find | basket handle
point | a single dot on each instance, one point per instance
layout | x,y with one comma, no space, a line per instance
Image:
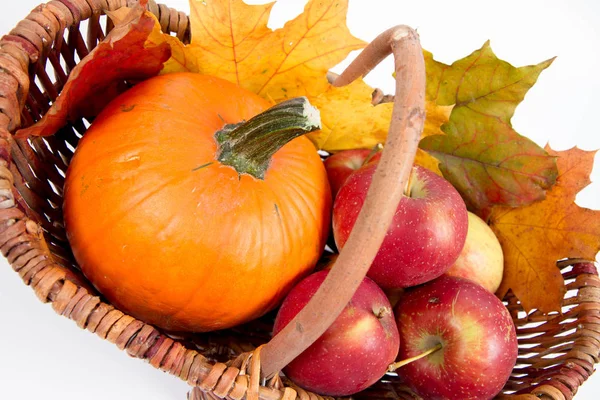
382,199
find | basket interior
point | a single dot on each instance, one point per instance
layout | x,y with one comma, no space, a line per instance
559,350
40,164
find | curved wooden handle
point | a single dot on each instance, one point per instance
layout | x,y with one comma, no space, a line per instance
382,199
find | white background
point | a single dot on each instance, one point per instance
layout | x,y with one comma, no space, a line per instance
46,356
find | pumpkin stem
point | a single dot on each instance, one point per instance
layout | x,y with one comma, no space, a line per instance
248,146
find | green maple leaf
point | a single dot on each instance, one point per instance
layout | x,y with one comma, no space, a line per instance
480,153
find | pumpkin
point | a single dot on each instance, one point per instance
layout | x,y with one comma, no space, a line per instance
186,222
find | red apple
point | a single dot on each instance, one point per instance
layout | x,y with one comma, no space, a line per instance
340,166
356,349
476,334
481,259
427,232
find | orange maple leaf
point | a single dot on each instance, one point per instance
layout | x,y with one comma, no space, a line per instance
535,237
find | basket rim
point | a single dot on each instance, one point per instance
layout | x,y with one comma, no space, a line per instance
22,239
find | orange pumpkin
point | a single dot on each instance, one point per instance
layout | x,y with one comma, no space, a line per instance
177,238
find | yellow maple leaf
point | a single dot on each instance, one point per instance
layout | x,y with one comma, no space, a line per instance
534,237
341,129
231,40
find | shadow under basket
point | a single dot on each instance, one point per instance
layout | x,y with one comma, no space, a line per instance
557,352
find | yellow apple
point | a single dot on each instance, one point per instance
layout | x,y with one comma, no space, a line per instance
481,259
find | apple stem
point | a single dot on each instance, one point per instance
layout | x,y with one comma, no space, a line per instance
408,188
402,363
382,312
376,149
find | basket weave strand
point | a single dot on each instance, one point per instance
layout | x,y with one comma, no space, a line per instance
557,352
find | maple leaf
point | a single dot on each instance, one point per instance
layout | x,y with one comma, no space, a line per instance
536,236
231,40
125,54
480,153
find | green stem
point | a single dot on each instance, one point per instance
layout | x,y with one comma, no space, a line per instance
249,146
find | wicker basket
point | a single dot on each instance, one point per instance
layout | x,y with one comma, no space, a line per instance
557,351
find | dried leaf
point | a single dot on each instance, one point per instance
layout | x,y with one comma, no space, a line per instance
182,60
125,54
534,237
231,40
480,153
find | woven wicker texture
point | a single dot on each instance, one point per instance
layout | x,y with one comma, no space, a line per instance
557,352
